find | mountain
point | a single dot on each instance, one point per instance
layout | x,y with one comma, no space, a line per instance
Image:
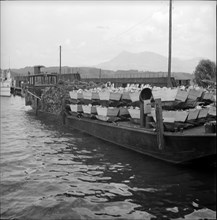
148,61
125,63
84,71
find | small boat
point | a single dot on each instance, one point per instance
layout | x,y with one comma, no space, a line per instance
5,83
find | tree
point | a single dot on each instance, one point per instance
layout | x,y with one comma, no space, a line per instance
205,72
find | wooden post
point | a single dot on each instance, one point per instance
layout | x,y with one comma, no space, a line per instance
159,124
60,70
169,83
142,124
60,62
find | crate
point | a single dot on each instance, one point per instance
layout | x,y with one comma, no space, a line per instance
194,94
95,95
116,96
181,116
106,95
104,111
134,96
123,111
193,114
181,95
169,116
75,95
203,113
212,110
87,95
76,108
208,96
165,94
89,109
126,96
134,113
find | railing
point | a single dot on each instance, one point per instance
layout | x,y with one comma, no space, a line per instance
127,75
33,95
34,98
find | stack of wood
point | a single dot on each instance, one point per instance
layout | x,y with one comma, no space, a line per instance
52,97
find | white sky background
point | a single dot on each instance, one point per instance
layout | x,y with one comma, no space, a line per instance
93,32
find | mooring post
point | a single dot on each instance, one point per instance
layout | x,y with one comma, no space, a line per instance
159,124
142,121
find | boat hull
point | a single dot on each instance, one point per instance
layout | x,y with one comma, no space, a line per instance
178,148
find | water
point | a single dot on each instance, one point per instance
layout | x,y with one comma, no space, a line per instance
50,172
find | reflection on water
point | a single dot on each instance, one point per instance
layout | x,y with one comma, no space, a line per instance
50,172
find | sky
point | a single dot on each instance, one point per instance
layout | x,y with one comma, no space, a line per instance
91,32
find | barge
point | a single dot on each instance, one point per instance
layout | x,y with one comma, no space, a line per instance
179,147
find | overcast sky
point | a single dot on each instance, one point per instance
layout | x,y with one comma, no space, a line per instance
91,32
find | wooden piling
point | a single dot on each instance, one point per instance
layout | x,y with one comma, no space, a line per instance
159,124
142,117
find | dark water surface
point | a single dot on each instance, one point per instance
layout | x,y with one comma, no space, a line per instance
50,172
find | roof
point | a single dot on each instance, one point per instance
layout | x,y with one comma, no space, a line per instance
183,76
39,66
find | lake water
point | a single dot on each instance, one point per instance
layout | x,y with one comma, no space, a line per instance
50,172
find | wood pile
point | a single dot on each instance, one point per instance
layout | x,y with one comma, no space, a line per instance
52,97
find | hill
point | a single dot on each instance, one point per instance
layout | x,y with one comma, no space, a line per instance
148,61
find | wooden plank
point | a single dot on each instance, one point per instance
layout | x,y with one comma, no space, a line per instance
159,124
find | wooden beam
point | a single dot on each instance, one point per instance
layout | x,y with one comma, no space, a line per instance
142,124
159,124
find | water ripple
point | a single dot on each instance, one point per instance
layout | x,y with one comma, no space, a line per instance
50,172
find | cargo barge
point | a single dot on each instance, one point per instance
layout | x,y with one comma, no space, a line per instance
179,147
